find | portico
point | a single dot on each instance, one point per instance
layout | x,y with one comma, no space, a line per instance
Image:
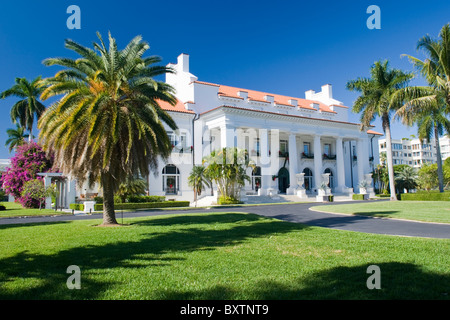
301,146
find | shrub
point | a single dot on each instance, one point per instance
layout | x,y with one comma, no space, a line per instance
29,160
357,196
223,200
426,196
77,206
146,199
2,207
98,199
144,205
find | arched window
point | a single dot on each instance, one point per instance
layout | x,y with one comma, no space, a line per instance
308,178
331,182
171,179
256,178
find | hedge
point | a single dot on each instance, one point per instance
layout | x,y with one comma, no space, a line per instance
426,196
357,196
77,206
144,205
133,199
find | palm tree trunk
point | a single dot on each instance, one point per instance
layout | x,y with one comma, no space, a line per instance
390,165
109,215
439,159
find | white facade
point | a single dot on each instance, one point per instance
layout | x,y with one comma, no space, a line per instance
285,137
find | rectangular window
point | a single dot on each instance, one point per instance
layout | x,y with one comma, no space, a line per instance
327,149
283,147
306,148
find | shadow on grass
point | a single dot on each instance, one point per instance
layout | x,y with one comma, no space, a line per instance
380,214
398,281
43,276
47,272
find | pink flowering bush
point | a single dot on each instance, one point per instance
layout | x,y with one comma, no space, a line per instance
29,160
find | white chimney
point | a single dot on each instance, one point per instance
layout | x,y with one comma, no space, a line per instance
327,91
309,94
183,62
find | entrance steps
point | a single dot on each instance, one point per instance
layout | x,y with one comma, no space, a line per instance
278,198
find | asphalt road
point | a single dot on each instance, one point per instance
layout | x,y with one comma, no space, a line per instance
298,213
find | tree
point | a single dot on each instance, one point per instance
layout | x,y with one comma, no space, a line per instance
35,189
405,177
198,181
133,186
428,177
29,160
227,168
108,124
375,101
428,106
25,110
16,137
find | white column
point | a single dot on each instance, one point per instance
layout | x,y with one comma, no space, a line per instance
264,160
274,157
226,136
198,147
360,159
340,166
292,164
48,200
207,144
317,161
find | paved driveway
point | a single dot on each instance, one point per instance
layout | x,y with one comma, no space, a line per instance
298,213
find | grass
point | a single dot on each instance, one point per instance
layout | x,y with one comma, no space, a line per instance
16,210
425,211
216,256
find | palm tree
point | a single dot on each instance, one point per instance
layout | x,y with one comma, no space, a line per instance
375,100
426,107
406,178
227,168
108,125
16,137
436,67
198,181
25,110
429,106
133,186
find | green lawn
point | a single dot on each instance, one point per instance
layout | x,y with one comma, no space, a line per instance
16,210
427,211
216,256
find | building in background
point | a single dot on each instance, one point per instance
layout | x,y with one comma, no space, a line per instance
413,152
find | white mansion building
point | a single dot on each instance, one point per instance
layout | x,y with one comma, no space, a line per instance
291,140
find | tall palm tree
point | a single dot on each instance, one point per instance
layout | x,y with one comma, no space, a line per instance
108,125
133,186
198,181
436,67
375,101
429,106
16,137
28,107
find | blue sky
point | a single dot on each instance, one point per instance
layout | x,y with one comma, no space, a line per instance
284,47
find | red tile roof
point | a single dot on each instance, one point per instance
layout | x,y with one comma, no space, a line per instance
179,107
253,95
374,132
